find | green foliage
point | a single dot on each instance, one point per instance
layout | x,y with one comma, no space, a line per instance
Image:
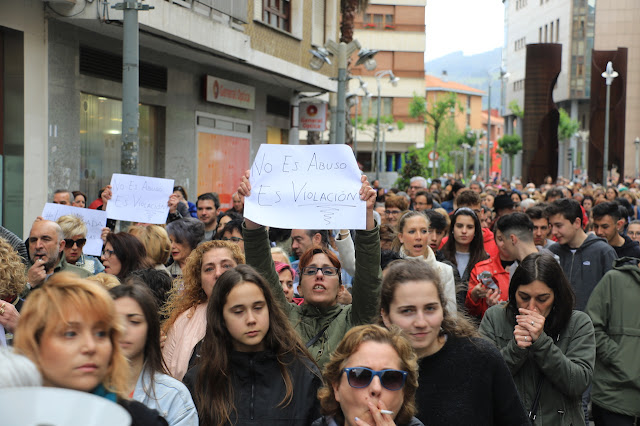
413,166
515,109
566,127
510,144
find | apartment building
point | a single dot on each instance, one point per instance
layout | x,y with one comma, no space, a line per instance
616,26
567,22
397,29
217,79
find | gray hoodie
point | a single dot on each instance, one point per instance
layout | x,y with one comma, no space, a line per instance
585,266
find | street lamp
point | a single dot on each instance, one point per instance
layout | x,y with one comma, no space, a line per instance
342,51
476,165
367,94
504,75
637,144
394,82
465,147
608,75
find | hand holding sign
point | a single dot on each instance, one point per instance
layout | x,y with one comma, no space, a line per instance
139,198
296,187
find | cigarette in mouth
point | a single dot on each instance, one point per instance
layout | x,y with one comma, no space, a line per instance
386,412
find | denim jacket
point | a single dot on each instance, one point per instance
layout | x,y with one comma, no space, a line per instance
169,396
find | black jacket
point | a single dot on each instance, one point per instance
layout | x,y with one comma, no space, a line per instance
630,248
141,415
258,389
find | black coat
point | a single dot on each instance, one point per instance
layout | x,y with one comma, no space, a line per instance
258,389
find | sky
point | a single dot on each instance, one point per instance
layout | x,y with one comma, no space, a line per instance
473,26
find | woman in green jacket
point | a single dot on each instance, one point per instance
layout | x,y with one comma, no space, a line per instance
320,321
549,347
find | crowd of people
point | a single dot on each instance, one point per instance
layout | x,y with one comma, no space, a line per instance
459,303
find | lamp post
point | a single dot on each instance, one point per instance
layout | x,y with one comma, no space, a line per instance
394,82
342,51
637,144
465,147
487,160
367,94
608,75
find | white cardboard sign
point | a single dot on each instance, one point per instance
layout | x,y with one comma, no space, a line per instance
139,198
95,220
306,187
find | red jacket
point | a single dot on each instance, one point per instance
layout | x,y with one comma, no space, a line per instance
489,243
500,276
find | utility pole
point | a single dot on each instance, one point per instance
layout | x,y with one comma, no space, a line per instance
130,85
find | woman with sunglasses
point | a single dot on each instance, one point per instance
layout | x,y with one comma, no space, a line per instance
256,369
371,380
463,379
70,329
321,321
75,237
148,381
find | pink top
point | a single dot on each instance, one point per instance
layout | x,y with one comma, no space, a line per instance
185,333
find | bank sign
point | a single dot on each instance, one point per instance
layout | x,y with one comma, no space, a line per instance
229,93
313,116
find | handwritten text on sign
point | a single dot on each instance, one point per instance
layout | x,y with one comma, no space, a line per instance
139,198
95,220
306,187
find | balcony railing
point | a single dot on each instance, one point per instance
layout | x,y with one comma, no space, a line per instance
236,9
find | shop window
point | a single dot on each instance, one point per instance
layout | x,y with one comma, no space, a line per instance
101,139
277,13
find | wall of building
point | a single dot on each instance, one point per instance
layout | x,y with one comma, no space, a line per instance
27,16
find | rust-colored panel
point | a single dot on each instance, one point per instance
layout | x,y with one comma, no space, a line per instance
221,162
410,15
617,111
540,124
408,61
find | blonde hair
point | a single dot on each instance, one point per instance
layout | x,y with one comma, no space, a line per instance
48,307
192,295
107,281
279,250
350,345
72,225
155,240
13,273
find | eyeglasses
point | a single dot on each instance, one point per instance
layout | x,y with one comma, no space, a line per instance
361,377
327,270
390,212
233,239
107,253
68,242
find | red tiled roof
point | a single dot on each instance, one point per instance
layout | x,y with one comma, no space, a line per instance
434,83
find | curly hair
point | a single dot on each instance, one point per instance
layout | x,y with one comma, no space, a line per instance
348,346
13,273
48,308
181,300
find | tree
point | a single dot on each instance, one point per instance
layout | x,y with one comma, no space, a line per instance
413,166
369,126
515,109
349,9
566,127
510,145
435,116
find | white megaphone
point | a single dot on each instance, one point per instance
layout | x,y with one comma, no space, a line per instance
40,406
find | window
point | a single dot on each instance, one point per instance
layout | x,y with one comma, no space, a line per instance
551,32
540,34
558,29
277,13
546,33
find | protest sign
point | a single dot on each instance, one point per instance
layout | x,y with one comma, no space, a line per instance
139,198
306,187
95,220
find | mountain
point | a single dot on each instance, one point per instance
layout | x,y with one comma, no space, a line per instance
470,70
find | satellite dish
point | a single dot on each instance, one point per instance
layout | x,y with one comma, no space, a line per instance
39,406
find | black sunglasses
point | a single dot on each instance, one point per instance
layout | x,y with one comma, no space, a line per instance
68,242
361,377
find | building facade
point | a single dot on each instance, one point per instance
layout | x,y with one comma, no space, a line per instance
217,79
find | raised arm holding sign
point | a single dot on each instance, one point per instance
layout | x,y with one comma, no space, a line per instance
306,187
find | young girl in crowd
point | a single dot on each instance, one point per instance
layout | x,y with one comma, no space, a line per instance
70,329
186,309
412,242
465,246
549,347
148,382
463,378
321,321
257,371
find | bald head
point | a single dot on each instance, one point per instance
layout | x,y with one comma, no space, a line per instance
46,242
